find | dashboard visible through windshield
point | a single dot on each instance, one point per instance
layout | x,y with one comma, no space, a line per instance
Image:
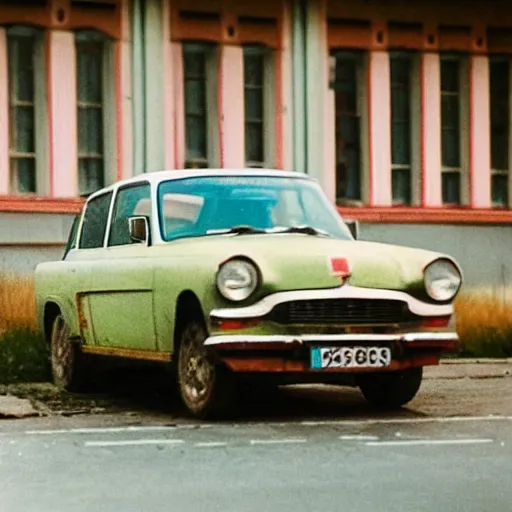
212,205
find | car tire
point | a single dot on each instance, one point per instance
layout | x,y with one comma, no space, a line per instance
67,360
206,387
391,390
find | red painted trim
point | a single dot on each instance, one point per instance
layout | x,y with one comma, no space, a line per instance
119,108
423,167
401,215
49,96
34,204
40,245
220,106
370,130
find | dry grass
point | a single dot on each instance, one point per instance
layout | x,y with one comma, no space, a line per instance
484,316
17,302
484,322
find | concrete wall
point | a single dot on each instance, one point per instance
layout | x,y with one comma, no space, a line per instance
28,239
484,252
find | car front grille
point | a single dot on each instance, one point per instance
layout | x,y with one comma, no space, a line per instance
342,312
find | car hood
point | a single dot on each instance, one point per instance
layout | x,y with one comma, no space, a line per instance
296,261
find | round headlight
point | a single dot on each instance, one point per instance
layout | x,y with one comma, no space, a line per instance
237,280
442,280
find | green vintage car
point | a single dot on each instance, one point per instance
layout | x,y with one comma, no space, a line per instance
233,275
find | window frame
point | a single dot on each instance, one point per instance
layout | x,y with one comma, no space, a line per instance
362,106
108,106
211,56
463,60
40,110
414,104
268,91
501,172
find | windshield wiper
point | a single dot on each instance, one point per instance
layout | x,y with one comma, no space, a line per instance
237,230
303,230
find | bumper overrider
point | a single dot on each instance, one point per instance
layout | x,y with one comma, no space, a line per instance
417,338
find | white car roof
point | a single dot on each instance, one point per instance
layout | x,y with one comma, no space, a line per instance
159,176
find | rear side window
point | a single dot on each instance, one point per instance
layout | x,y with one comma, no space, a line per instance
73,232
95,222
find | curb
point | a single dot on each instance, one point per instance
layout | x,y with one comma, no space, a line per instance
505,360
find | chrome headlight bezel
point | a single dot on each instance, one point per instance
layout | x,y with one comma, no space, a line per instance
237,279
442,279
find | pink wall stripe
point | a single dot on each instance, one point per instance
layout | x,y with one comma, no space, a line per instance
287,92
379,123
62,111
231,107
179,107
125,126
169,156
431,130
479,135
4,115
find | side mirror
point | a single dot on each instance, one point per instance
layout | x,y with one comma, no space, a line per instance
139,229
353,226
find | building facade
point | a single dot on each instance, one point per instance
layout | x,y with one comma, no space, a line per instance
401,110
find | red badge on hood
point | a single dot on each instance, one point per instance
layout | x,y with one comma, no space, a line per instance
340,268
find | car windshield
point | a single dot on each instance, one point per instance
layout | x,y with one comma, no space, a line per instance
212,205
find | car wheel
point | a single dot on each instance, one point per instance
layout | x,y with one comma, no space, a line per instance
206,388
66,358
391,390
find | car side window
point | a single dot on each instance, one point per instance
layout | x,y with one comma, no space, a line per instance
131,201
73,232
94,225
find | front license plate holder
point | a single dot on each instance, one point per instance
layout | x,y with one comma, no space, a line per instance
323,358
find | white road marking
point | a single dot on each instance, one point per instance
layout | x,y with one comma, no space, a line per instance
211,444
429,442
132,442
388,421
358,438
278,441
104,430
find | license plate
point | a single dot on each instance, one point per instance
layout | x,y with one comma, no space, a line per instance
350,357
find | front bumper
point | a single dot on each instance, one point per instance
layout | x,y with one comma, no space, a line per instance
248,339
291,354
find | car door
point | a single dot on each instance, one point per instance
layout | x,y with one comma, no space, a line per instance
121,298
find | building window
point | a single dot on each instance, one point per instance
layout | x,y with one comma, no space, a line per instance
258,94
22,44
200,89
401,65
451,150
94,118
499,76
348,90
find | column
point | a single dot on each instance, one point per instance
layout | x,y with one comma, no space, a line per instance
231,107
4,115
284,142
62,108
431,130
319,132
379,127
479,132
154,85
124,98
169,142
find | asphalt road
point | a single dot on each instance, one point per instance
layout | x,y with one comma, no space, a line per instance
310,449
413,464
